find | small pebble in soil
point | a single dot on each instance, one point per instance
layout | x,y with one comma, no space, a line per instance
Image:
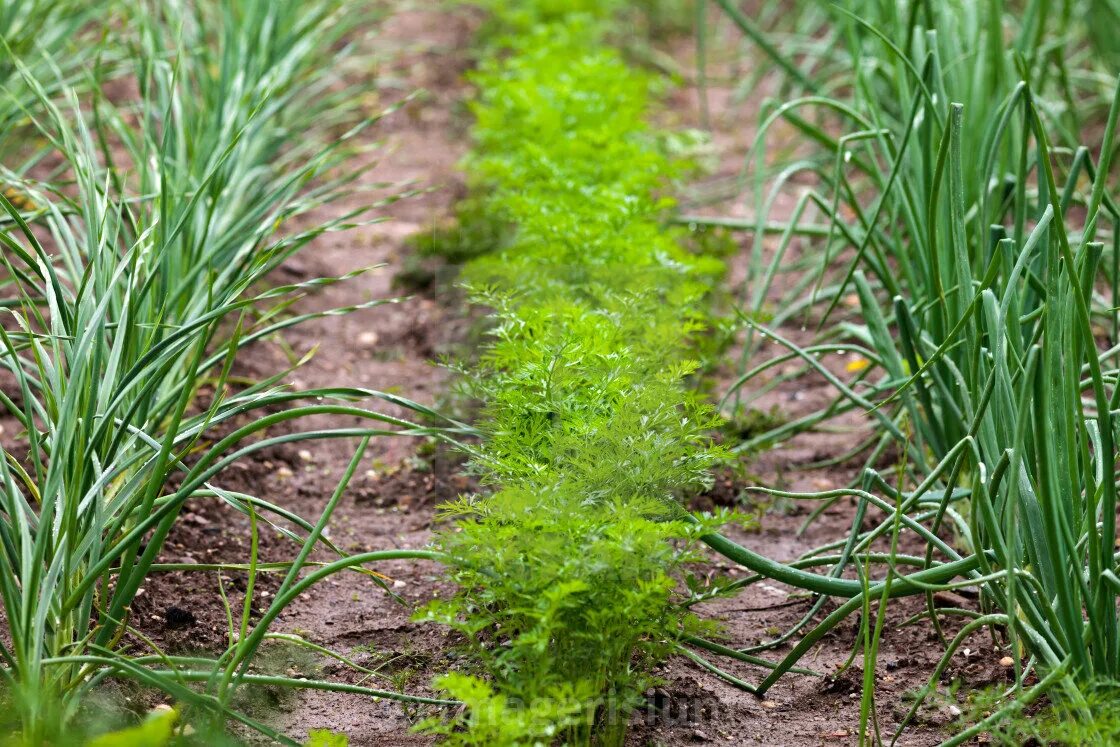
1007,661
177,617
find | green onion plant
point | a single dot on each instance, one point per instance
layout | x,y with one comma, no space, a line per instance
145,275
979,239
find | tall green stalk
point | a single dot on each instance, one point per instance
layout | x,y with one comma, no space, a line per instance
149,274
980,242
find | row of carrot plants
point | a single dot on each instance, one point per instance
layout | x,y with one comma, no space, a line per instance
568,568
139,238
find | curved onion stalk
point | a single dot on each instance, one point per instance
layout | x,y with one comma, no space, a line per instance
984,328
906,65
136,295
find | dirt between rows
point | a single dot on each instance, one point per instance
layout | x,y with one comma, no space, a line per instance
392,501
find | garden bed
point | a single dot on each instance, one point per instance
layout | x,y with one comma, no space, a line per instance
440,166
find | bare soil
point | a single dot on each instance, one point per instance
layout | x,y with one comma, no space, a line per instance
391,502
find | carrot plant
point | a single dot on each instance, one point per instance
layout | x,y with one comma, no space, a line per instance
148,276
567,568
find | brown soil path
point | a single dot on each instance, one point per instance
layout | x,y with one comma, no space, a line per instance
391,348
